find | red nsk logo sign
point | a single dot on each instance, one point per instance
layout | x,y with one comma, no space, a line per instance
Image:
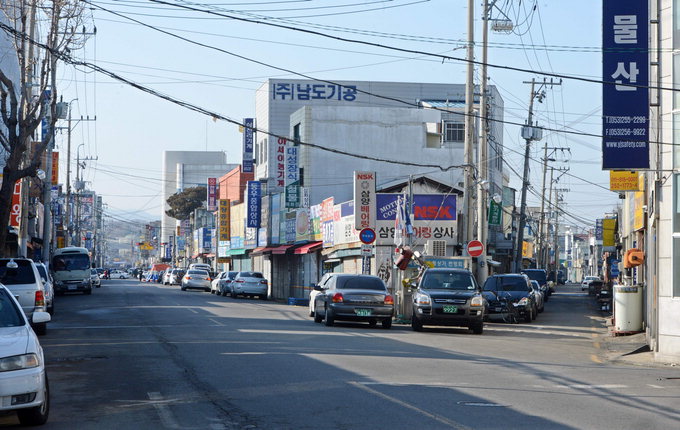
433,212
365,176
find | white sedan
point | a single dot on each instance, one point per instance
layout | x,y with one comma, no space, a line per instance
586,282
117,274
23,381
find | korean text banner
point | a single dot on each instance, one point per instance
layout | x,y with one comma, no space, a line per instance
625,96
248,144
254,204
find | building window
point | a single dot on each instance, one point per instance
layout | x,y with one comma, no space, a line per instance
454,132
296,133
676,81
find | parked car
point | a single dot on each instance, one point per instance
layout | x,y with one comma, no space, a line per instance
516,288
448,297
23,380
48,285
539,296
119,274
354,298
541,276
21,277
587,280
250,284
196,279
94,277
315,292
221,284
174,276
200,266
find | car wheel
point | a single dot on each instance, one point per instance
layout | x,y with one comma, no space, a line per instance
263,297
477,328
212,291
207,290
317,317
40,329
88,291
183,289
416,324
311,312
534,312
38,415
528,315
234,294
372,322
387,323
328,318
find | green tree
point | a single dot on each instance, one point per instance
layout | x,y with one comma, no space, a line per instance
182,204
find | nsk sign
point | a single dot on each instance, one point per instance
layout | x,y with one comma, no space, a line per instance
438,207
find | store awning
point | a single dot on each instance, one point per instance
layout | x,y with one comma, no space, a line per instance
260,250
281,249
307,247
236,252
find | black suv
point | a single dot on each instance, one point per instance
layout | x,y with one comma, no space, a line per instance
541,276
514,287
448,297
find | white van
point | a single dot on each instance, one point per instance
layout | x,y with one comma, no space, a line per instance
71,270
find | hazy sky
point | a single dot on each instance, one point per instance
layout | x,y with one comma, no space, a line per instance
133,128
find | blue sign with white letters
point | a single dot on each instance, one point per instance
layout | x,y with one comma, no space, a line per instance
625,93
254,204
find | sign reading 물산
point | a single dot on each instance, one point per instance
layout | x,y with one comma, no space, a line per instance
212,194
364,200
625,101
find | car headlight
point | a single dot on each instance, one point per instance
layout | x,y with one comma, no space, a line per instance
523,301
423,299
18,362
477,301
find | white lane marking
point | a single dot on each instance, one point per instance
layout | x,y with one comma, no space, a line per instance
166,416
586,386
325,333
656,386
403,404
216,322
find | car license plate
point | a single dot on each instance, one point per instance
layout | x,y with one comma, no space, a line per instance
498,309
72,287
363,312
448,309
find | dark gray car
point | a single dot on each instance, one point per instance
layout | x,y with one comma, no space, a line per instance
448,297
354,298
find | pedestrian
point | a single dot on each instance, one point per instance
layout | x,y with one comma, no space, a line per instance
141,275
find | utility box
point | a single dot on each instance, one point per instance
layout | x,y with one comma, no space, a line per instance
627,309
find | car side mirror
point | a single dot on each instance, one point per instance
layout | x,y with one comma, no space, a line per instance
317,288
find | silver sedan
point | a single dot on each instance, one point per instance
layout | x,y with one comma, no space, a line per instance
196,279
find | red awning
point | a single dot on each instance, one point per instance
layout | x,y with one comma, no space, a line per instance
307,247
281,249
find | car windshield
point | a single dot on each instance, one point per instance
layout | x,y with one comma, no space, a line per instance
232,275
23,274
10,315
447,281
71,262
512,283
41,270
360,283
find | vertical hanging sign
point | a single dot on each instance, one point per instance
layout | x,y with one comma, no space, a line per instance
364,200
15,210
254,204
625,100
292,177
248,144
212,194
224,220
55,167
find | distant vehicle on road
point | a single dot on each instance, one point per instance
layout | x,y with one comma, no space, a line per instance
71,270
48,284
23,380
354,298
587,280
250,284
94,276
197,280
119,274
516,288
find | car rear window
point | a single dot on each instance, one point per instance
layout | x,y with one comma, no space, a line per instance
448,281
359,283
198,272
232,275
10,315
537,275
70,262
250,275
21,275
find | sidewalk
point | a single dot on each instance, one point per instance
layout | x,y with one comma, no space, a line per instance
628,349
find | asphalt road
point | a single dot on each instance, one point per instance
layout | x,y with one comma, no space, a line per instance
145,356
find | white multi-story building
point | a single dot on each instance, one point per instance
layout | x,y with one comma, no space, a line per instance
185,169
418,123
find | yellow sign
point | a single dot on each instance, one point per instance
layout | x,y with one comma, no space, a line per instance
145,246
639,202
527,249
608,232
624,180
223,218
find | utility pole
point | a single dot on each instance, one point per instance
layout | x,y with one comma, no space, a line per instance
558,196
469,125
482,156
529,135
541,229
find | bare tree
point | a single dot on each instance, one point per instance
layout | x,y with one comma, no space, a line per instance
31,97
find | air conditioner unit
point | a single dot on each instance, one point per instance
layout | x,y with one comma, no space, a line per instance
436,248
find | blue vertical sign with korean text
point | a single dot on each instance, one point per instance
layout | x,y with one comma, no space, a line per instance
254,204
625,93
248,144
